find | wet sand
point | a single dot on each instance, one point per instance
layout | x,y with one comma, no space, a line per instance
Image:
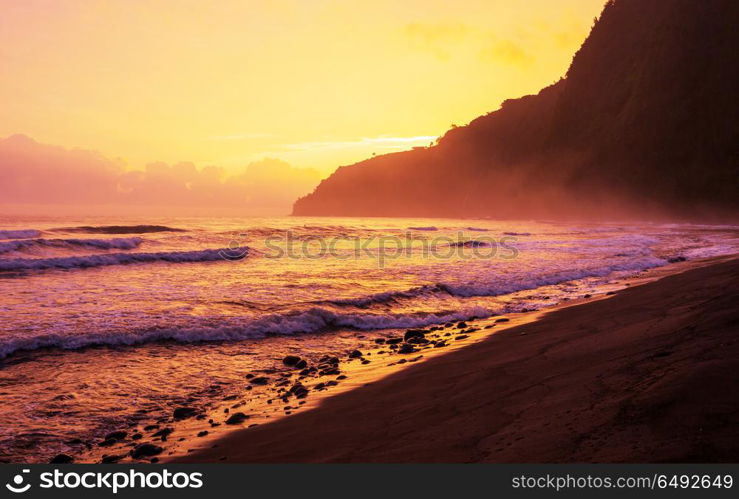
649,374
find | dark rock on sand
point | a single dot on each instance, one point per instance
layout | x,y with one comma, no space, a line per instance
146,450
406,348
203,433
394,341
502,319
299,390
414,333
236,418
329,372
116,435
356,354
111,459
61,459
261,380
184,412
163,433
291,360
136,436
461,325
108,442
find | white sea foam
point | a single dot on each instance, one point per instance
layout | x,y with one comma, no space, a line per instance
308,321
510,285
79,262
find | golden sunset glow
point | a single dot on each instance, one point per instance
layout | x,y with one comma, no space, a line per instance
315,83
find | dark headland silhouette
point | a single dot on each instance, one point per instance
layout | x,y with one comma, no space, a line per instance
645,123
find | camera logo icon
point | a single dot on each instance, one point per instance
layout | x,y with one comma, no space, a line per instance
17,485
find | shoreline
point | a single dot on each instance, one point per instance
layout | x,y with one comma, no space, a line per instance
441,410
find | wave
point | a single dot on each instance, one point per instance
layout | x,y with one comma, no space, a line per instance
308,321
19,234
486,290
119,229
122,243
81,262
471,244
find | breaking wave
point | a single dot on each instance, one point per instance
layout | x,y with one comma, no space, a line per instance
122,243
308,321
19,234
510,286
81,262
119,229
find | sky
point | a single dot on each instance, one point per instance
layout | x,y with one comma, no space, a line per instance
314,83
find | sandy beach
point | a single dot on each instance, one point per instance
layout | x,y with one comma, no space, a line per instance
649,374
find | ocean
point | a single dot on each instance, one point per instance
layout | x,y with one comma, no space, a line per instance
112,323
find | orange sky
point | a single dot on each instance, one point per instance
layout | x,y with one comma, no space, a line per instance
317,83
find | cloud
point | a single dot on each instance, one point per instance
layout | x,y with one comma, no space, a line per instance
37,174
436,38
507,52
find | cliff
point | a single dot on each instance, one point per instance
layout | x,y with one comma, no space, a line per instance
644,123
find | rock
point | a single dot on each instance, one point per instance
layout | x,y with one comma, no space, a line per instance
164,433
261,380
414,333
61,459
462,337
146,450
328,360
394,341
111,459
329,372
203,433
502,319
461,325
108,442
379,341
249,376
677,259
184,412
356,354
116,435
406,348
237,418
136,436
291,360
301,364
151,427
299,390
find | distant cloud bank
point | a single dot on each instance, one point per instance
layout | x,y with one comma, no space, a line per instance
38,174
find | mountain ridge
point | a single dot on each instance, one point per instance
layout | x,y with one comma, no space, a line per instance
644,123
